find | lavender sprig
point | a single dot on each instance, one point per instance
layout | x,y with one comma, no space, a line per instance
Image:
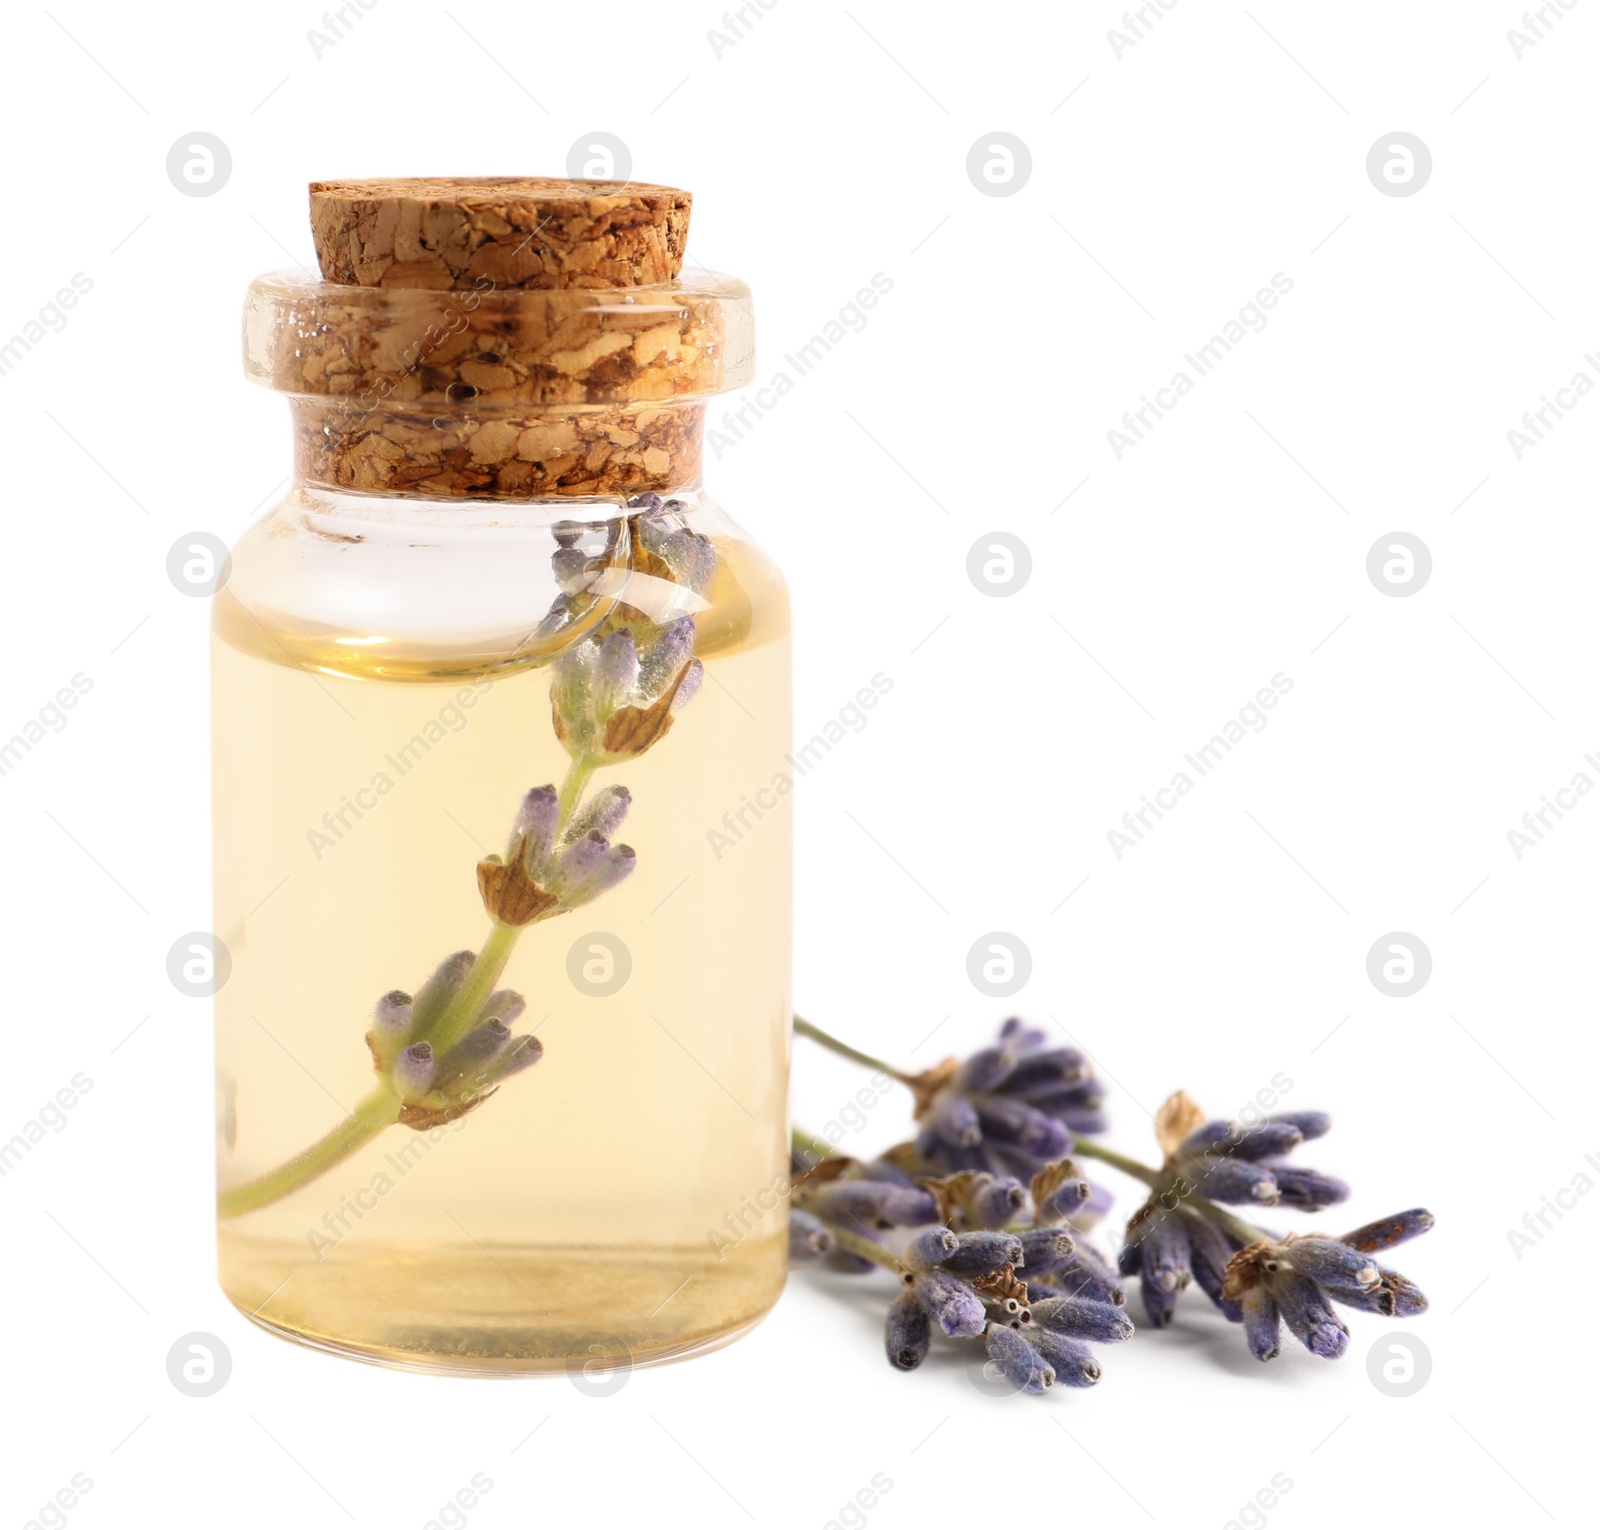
983,1255
615,692
1013,1288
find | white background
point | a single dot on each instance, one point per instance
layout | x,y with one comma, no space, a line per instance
823,146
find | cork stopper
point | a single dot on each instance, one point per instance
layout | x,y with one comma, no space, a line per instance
493,234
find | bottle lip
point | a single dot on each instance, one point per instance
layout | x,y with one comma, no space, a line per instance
499,346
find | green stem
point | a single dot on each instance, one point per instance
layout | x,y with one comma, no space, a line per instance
865,1247
379,1110
833,1044
1155,1178
577,777
491,961
459,1014
803,1145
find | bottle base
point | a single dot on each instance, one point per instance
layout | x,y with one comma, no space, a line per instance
589,1312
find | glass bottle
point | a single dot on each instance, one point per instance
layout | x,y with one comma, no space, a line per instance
501,712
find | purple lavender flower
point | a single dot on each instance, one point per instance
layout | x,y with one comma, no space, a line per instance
538,879
1009,1109
809,1238
1096,1321
1071,1359
907,1334
950,1302
870,1203
1017,1360
437,1078
1266,1283
1296,1279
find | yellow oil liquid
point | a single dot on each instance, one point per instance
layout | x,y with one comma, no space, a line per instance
613,1204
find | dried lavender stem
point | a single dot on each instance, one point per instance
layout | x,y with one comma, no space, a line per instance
1165,1182
804,1145
854,1244
833,1044
491,960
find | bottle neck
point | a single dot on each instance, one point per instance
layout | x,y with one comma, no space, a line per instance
504,451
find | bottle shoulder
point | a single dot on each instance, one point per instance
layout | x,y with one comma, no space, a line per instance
404,589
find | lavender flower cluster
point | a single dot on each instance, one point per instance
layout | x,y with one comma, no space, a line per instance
1266,1282
984,1217
993,1260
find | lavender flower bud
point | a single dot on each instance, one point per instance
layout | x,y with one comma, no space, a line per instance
930,1248
412,1073
1010,1122
983,1253
1407,1300
808,1238
998,1202
616,672
954,1119
1045,1073
1209,1253
572,696
434,995
1271,1139
842,1262
906,1334
1387,1232
536,819
952,1304
1234,1182
523,1052
590,867
1259,1314
984,1070
1159,1303
1044,1250
665,656
910,1208
1307,1190
1311,1124
1163,1266
690,557
463,1069
1331,1263
1068,1198
1097,1204
602,815
1021,1038
391,1027
1087,1274
392,1016
872,1202
503,1005
1098,1321
1074,1363
1018,1361
1308,1316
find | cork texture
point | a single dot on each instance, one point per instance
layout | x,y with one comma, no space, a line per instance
507,454
532,233
500,349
